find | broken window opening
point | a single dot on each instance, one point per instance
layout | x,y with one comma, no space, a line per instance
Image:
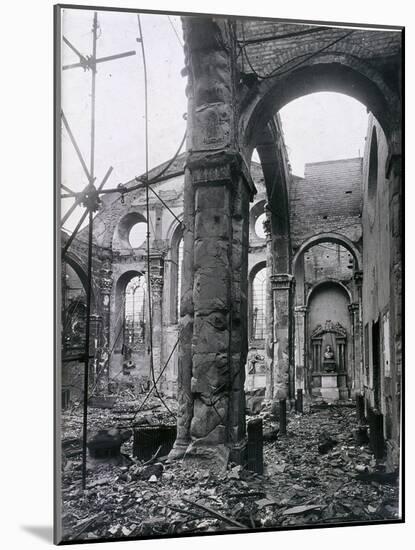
258,305
135,315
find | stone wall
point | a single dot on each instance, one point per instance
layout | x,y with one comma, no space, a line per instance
306,216
381,372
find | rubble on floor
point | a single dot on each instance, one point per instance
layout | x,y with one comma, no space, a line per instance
301,485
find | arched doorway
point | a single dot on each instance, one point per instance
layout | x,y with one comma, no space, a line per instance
327,294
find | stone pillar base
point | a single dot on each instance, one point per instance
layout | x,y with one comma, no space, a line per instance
178,451
239,453
214,458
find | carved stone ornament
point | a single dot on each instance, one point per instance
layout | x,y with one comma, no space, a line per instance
335,328
106,277
156,285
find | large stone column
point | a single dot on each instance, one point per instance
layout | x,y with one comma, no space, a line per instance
219,189
105,284
282,287
219,346
269,313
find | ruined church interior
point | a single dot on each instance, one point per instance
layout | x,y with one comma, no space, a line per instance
228,325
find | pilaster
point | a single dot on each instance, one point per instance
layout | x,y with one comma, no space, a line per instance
282,285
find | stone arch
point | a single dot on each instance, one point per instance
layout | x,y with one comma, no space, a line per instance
276,179
81,270
118,311
173,228
327,282
254,270
328,72
329,238
328,308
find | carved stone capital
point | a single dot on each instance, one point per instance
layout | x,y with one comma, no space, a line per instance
106,285
219,167
282,281
329,326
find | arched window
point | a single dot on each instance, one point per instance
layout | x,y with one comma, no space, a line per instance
174,262
179,274
258,305
135,314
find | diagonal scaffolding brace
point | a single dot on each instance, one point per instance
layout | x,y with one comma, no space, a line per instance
90,198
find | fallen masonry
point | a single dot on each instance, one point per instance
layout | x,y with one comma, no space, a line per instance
300,485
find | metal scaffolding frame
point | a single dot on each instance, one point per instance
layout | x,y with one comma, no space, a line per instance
89,197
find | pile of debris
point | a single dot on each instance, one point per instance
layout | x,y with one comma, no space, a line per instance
316,474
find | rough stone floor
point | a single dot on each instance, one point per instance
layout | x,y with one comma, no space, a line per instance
302,485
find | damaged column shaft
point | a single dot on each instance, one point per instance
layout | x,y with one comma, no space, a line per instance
220,343
269,311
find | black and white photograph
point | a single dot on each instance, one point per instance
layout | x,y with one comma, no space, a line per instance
229,274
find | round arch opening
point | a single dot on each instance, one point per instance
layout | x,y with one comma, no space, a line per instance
131,231
329,238
330,73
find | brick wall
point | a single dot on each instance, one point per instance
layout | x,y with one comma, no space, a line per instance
327,199
328,261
